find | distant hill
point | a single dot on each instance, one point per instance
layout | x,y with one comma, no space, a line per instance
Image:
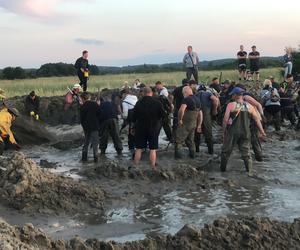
228,63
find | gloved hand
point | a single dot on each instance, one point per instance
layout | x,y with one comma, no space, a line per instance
37,117
32,113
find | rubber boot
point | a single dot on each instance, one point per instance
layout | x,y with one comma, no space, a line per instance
192,153
249,167
210,147
223,164
84,157
177,153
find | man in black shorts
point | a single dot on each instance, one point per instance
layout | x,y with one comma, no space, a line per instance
242,62
147,116
254,57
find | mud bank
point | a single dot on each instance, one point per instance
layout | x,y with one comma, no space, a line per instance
244,233
26,187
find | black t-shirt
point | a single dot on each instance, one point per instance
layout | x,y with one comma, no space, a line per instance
81,63
148,112
89,116
254,61
108,110
192,103
178,97
242,60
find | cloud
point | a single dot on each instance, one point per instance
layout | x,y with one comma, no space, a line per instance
41,9
89,41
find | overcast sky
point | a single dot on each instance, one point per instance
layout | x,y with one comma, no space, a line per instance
123,32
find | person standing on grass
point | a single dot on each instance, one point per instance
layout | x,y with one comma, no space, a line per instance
191,61
82,66
254,58
89,119
288,62
147,116
242,63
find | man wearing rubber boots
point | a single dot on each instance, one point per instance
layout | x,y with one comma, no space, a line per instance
190,118
236,127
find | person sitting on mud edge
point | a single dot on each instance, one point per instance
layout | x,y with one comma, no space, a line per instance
128,104
89,119
190,119
108,121
236,129
209,106
147,116
82,66
215,84
73,95
32,105
288,95
7,139
271,103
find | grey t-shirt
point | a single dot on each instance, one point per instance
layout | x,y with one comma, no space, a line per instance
190,60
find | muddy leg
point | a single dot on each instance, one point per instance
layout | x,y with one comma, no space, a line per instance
190,143
104,133
86,144
137,156
114,133
244,147
153,158
227,148
255,142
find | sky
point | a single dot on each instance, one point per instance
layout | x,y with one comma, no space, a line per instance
128,32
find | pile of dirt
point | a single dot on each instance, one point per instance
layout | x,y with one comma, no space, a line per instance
245,233
26,187
118,170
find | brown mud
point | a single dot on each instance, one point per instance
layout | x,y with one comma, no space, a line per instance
28,188
245,233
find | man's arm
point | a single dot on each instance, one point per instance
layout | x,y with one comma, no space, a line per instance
215,104
184,59
197,59
227,116
181,113
199,121
256,118
254,103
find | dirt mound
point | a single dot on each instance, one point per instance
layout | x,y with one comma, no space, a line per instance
117,170
246,233
27,187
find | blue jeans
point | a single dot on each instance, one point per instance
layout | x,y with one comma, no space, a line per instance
288,69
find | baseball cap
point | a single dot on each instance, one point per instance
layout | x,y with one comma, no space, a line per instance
237,91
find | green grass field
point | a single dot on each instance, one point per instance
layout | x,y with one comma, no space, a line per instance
58,85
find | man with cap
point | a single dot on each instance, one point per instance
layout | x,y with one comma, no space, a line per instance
190,119
32,105
254,57
7,139
236,128
209,105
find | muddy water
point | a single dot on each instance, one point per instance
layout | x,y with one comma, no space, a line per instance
274,192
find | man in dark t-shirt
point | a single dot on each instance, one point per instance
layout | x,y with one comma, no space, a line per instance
178,97
147,116
242,62
82,66
190,119
254,58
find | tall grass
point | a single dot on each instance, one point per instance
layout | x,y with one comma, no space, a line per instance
58,85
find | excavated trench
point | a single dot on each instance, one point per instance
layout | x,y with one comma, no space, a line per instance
57,193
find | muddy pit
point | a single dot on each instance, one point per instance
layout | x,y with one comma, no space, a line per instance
108,201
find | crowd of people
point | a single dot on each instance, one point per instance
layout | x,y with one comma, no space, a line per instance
186,113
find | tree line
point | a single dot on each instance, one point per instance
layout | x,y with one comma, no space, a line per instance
64,69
